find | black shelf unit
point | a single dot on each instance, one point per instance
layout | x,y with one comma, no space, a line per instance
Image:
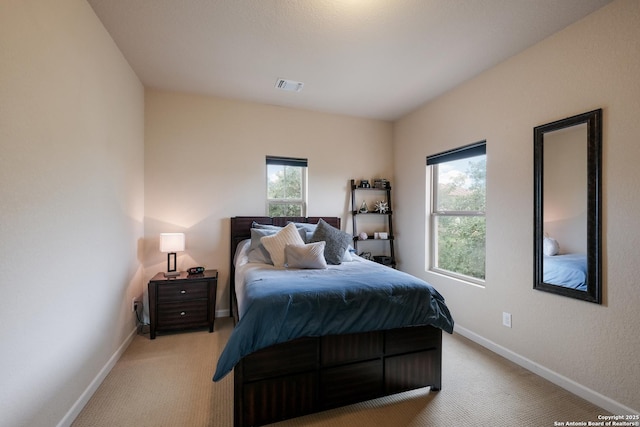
387,221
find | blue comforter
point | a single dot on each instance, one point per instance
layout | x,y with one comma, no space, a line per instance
568,270
281,305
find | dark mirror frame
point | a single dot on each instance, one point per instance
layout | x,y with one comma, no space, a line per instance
593,119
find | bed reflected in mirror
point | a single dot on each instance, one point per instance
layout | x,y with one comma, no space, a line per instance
567,206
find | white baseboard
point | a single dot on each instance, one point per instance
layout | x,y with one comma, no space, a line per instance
75,410
222,313
586,393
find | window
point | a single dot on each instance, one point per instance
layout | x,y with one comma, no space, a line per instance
457,227
286,186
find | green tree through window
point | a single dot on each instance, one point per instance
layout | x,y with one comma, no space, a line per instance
458,226
286,187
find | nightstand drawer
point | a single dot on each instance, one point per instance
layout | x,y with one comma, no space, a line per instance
182,292
182,314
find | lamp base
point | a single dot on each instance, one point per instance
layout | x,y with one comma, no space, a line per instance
171,268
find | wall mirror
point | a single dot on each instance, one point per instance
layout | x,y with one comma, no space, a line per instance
567,204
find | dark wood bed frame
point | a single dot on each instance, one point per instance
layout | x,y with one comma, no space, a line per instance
312,374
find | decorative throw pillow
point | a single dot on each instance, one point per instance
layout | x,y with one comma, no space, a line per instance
550,246
310,255
275,244
337,242
257,252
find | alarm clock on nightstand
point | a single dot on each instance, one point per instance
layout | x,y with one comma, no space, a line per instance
195,270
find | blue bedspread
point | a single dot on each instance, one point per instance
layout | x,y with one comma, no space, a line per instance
282,305
569,270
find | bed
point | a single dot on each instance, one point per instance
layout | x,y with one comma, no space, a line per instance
567,270
292,365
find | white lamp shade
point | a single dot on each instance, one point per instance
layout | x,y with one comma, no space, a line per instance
171,242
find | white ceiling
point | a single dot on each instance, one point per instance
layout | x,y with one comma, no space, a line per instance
369,58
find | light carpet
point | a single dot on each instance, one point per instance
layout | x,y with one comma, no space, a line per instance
167,382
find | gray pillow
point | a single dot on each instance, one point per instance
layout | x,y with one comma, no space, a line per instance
257,252
271,229
337,242
307,226
265,226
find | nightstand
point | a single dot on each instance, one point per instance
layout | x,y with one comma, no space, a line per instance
182,302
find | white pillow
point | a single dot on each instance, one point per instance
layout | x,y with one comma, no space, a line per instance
305,256
276,243
550,246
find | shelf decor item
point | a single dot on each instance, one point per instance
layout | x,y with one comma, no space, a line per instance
382,259
381,207
364,208
381,183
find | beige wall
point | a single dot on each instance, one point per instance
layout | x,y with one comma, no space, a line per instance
205,162
71,207
592,349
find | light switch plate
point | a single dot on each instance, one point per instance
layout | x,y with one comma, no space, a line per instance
506,319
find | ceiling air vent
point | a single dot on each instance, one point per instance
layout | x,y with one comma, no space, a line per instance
289,85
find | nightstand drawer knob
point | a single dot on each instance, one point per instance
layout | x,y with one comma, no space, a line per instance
183,291
182,313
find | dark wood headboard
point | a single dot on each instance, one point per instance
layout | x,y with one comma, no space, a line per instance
241,230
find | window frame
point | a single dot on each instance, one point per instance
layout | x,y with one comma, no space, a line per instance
290,162
433,162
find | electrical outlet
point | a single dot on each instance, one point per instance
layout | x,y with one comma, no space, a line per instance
506,319
134,304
